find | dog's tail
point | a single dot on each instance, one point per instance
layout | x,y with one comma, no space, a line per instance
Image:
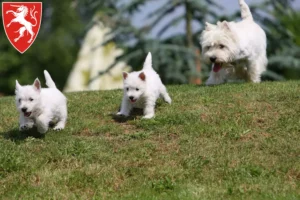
245,10
49,82
148,62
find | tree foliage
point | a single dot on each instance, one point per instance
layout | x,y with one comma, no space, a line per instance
281,23
176,57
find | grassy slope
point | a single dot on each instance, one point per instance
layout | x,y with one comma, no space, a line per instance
237,141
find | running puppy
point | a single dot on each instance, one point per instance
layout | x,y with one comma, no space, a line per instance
41,106
142,89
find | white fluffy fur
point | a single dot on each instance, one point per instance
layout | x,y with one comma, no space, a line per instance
238,47
144,88
43,106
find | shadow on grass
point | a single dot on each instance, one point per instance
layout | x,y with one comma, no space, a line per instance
136,112
16,136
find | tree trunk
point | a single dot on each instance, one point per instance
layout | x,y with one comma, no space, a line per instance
188,20
198,80
189,41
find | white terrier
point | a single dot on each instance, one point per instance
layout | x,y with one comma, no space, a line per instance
142,89
40,107
237,50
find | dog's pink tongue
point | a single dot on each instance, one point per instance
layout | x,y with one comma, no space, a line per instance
217,67
27,114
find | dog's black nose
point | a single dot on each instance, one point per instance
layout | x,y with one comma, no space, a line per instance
131,97
24,110
213,59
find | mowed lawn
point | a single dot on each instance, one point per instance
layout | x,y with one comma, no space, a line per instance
234,141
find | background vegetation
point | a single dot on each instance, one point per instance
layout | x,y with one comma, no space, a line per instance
177,57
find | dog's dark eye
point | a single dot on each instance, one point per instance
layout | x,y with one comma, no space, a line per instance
222,46
137,89
208,47
30,99
127,89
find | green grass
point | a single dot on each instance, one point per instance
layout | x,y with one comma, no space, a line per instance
234,141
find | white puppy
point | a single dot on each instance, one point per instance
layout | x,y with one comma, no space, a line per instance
39,107
142,89
237,50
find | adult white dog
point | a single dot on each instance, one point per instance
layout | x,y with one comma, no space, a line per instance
142,89
237,50
40,107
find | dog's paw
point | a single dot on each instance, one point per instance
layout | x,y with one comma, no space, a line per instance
168,100
148,116
58,128
42,130
25,127
215,81
122,114
212,83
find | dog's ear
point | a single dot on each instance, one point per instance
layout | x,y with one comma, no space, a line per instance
18,86
225,25
37,85
142,76
125,75
219,23
209,27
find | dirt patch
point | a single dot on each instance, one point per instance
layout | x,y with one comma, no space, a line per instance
293,174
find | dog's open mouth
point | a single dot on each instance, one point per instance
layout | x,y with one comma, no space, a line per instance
27,114
217,67
132,100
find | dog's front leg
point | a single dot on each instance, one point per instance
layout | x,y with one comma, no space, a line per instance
10,11
126,107
12,21
149,108
216,78
25,123
42,123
